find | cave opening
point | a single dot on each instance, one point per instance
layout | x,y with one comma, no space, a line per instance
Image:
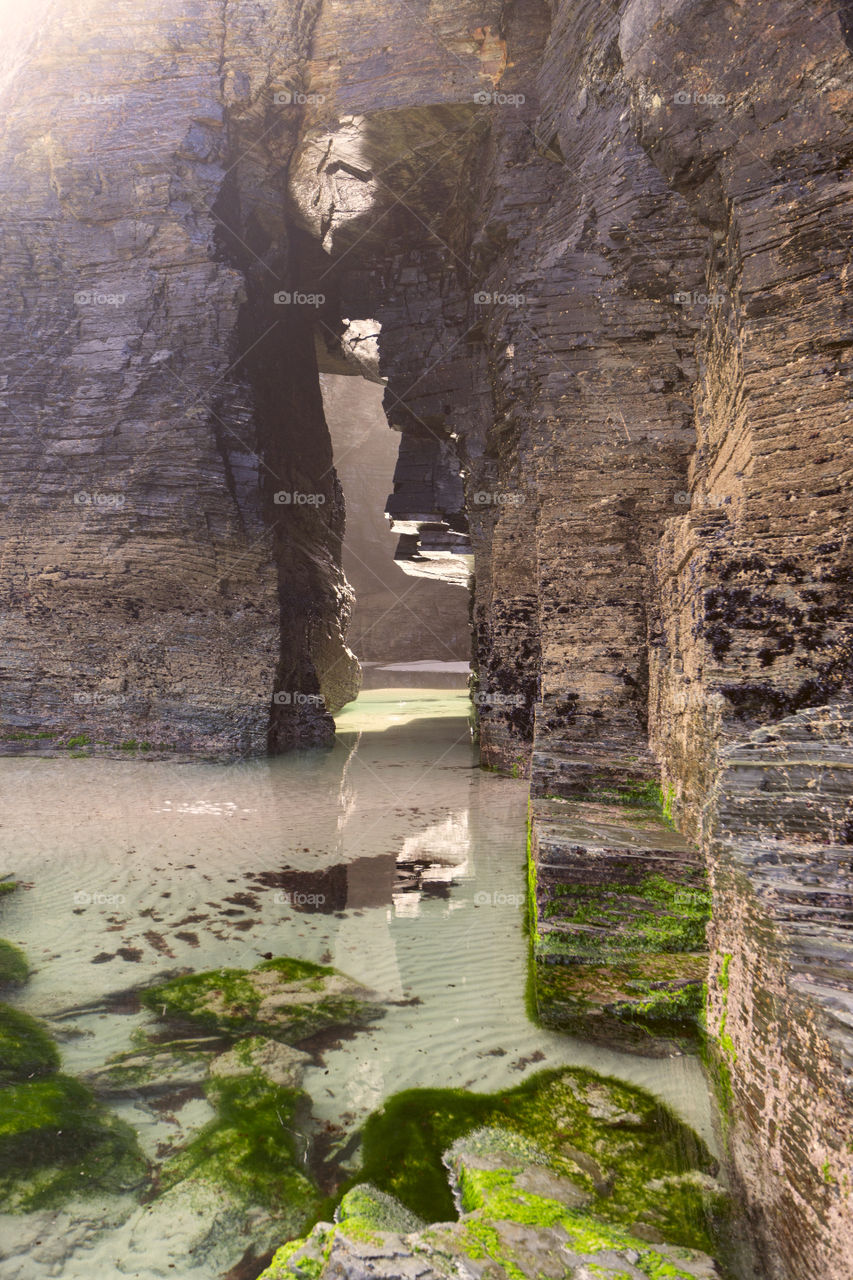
410,619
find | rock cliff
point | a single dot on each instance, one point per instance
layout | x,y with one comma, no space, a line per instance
606,250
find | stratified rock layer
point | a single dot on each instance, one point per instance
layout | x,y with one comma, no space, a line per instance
781,1008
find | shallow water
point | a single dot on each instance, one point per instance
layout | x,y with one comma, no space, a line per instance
392,857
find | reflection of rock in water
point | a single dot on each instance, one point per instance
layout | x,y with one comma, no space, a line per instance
431,879
364,882
308,891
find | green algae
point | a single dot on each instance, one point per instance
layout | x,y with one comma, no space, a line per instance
26,1049
615,1142
57,1141
657,915
250,1147
493,1195
229,1001
13,965
375,1210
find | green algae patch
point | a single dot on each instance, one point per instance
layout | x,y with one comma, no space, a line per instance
26,1049
250,1148
623,1003
302,1259
57,1141
620,1147
375,1210
527,1233
13,965
284,998
657,915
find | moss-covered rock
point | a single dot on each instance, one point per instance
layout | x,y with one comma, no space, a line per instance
646,1003
508,1229
55,1141
26,1049
616,1144
619,907
253,1147
13,965
277,1063
284,999
375,1210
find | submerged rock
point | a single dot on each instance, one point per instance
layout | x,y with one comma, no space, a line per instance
55,1139
13,965
278,1063
26,1049
285,999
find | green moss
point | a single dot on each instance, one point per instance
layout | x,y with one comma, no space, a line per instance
56,1141
668,805
582,1121
723,1038
13,965
302,1259
80,740
250,1148
7,886
656,915
375,1210
229,1001
723,979
29,737
482,1240
586,1234
26,1050
532,909
637,795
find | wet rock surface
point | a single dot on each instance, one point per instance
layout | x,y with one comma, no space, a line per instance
620,908
516,1219
781,1007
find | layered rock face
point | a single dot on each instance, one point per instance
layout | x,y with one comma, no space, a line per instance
606,251
782,997
172,520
